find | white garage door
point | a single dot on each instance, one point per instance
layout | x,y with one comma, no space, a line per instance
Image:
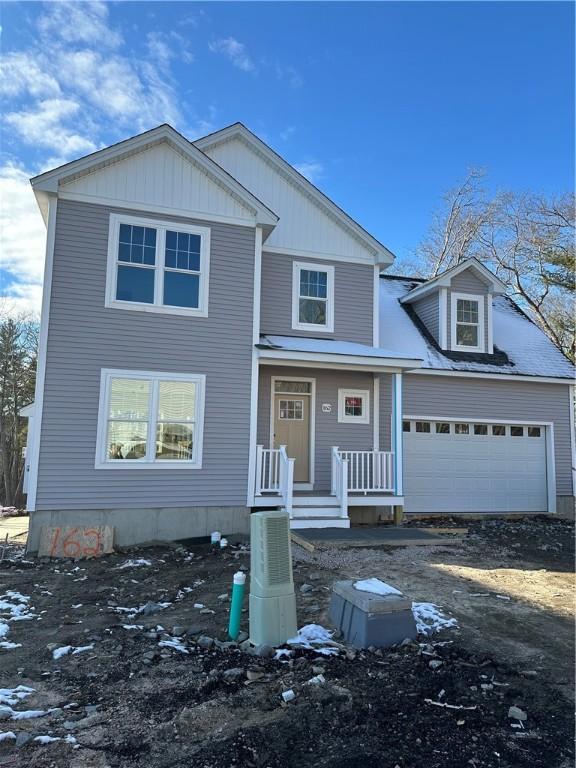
471,467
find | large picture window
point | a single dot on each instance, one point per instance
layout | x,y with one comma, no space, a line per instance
467,326
312,297
150,420
158,266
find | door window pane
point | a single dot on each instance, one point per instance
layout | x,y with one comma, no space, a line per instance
291,410
135,284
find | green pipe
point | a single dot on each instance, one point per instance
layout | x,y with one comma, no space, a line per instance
236,605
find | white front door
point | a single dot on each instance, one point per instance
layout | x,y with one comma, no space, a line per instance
466,466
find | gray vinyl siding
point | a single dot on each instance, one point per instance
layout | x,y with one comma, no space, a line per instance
470,398
428,310
329,431
353,299
84,337
468,282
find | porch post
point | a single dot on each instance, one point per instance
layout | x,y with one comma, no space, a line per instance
397,433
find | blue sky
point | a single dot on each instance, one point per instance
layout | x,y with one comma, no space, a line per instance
383,105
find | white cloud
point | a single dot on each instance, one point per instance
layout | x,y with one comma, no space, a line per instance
312,170
21,74
22,241
44,125
74,22
235,51
287,133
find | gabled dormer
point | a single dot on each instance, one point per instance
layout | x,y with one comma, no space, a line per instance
456,307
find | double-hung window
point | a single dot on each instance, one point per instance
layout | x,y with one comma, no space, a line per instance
467,326
312,297
158,266
150,420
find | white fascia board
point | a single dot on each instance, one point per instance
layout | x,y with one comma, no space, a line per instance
51,180
497,286
496,376
372,363
382,255
27,411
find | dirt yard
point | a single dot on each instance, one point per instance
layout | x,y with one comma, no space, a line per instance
121,661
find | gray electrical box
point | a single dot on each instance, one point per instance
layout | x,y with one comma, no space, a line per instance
367,619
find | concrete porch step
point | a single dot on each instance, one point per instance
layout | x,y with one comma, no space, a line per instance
319,511
313,501
319,522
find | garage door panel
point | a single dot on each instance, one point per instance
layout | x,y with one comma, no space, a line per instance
475,473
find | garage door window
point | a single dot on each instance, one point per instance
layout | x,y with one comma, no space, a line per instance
462,429
517,431
442,428
499,430
406,426
480,429
423,426
533,431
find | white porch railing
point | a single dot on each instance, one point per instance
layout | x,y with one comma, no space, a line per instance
275,474
340,481
368,471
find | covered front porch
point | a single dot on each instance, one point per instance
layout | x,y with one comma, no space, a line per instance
329,434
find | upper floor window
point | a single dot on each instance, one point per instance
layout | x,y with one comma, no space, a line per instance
158,266
467,326
149,419
312,297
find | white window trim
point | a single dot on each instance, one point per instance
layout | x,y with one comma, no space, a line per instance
455,297
160,226
297,267
107,374
365,395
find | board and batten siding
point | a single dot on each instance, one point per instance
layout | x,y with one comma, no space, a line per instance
84,336
353,299
475,398
428,310
328,430
468,282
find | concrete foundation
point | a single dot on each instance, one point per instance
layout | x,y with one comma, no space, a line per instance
566,507
366,619
137,526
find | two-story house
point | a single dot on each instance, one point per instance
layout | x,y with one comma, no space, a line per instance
217,336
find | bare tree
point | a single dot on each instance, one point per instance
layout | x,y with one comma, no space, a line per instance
18,350
528,240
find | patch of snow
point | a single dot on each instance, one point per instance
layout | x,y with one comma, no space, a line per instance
64,650
132,626
316,638
46,739
11,696
16,607
430,619
175,644
29,714
4,735
376,587
8,646
138,563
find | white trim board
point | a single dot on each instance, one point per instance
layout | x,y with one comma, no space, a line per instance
254,371
495,376
312,448
276,250
42,352
154,377
379,363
